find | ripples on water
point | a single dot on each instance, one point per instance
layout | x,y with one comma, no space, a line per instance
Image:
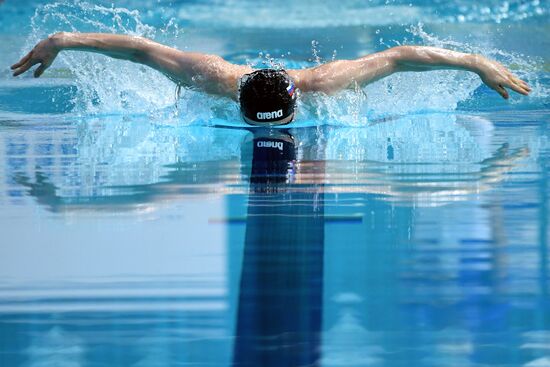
372,233
376,245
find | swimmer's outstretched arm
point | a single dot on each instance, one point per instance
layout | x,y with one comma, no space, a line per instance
338,75
208,72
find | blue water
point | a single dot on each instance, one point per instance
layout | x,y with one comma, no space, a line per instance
404,224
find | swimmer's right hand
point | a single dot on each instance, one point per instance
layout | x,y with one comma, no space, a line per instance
44,53
498,77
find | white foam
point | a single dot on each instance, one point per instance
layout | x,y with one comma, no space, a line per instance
112,86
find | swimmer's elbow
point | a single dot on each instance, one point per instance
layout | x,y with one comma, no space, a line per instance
323,81
142,51
397,57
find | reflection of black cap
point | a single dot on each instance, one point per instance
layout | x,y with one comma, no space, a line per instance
267,97
273,158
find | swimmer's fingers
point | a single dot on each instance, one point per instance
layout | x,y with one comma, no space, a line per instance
515,80
525,85
500,90
26,66
498,77
25,58
40,70
516,85
498,87
522,84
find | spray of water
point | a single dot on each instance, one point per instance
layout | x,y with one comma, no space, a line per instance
525,67
104,84
436,91
112,86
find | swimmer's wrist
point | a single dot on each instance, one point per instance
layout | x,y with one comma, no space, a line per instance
65,40
59,40
476,62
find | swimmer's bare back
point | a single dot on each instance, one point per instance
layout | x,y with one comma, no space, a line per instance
214,75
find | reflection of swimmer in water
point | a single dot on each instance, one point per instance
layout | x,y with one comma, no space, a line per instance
349,170
268,96
280,303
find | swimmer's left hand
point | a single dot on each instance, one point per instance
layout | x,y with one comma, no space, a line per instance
498,77
44,53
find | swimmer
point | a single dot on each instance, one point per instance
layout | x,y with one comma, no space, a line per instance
268,96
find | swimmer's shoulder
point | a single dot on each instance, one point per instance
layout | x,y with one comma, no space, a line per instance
301,78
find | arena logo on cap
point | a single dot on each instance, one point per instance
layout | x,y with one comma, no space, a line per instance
269,115
270,144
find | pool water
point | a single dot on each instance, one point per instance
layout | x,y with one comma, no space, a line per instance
403,224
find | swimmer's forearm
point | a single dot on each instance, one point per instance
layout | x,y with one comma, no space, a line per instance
118,46
423,58
495,75
338,75
132,48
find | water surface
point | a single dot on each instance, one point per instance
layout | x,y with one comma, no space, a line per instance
403,224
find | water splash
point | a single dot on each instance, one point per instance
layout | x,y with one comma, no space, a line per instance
315,51
105,84
266,60
440,90
523,66
111,86
435,91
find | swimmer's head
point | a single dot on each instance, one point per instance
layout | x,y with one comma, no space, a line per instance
267,97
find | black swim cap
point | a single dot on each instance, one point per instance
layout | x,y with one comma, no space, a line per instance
267,97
